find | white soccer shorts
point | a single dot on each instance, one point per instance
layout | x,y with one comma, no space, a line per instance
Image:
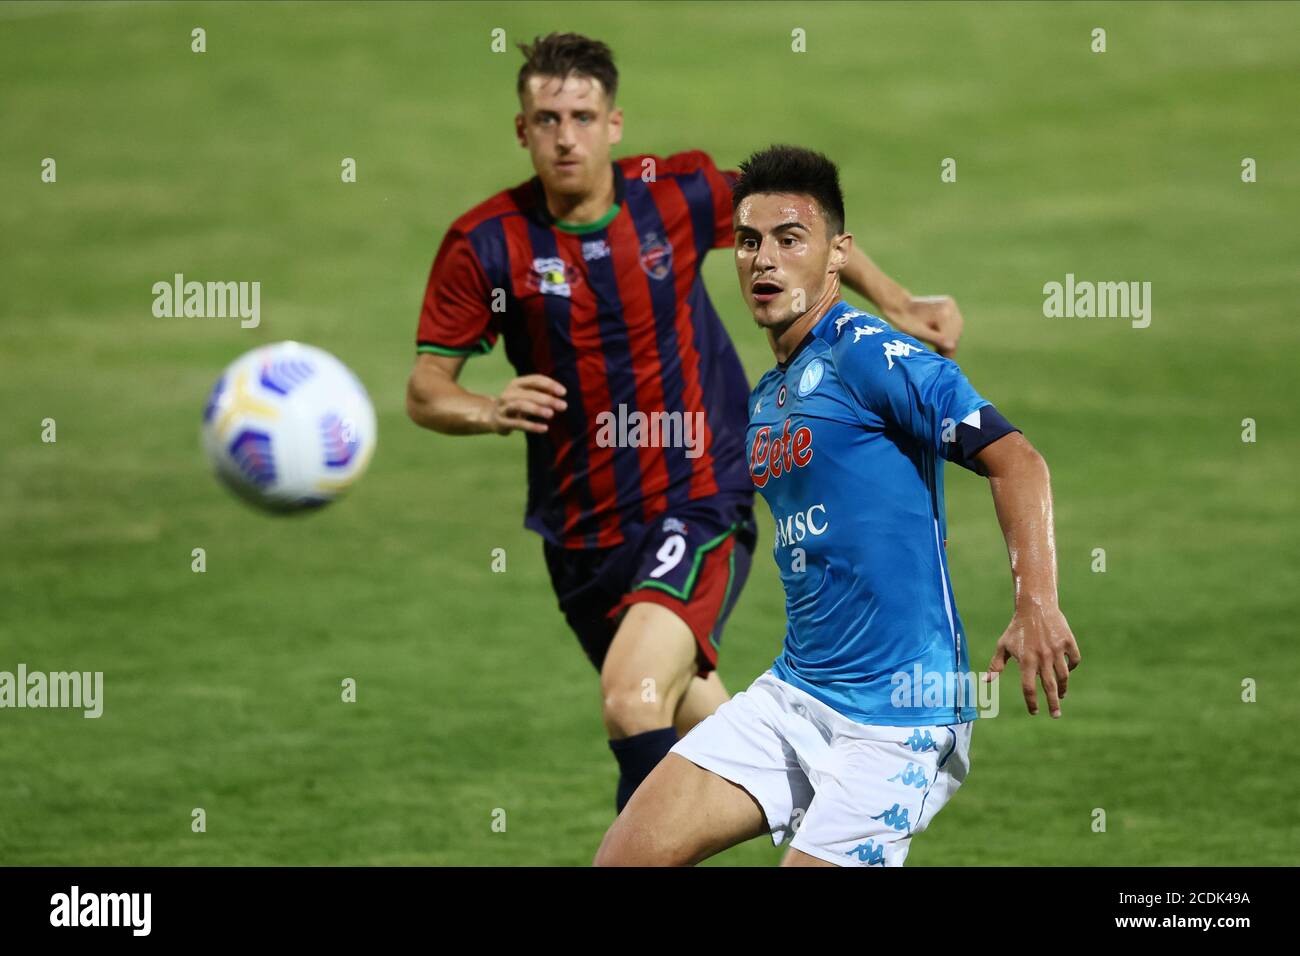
851,794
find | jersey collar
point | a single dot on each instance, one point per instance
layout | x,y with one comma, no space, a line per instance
833,313
544,216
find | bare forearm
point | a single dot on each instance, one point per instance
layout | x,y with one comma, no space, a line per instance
1022,495
447,408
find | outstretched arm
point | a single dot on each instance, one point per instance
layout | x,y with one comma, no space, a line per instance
930,318
1038,636
436,401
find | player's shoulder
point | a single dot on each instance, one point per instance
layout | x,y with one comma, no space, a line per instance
864,346
676,164
848,328
512,201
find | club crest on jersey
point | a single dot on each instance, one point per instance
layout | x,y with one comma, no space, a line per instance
811,377
553,276
656,256
772,457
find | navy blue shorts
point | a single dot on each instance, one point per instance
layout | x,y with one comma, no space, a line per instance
693,560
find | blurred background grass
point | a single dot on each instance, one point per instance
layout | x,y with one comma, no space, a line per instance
222,689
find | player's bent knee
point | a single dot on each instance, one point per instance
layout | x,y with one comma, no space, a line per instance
629,710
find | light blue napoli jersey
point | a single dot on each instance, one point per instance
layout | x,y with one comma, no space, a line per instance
847,444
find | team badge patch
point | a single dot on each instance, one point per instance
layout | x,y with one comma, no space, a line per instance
811,377
656,256
553,276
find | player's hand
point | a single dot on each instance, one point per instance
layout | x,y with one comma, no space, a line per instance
1040,640
934,319
527,404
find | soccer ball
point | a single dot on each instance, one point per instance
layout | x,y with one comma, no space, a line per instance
288,427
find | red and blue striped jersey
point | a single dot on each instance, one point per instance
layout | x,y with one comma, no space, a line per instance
616,311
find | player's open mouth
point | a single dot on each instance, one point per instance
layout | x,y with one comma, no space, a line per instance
765,291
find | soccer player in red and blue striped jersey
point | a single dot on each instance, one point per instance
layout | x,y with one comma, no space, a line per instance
629,391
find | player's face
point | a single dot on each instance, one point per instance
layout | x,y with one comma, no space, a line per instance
787,263
568,127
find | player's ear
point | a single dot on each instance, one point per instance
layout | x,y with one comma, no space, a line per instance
519,130
841,246
615,125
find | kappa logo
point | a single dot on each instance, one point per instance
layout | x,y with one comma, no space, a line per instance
553,276
674,526
656,256
848,317
899,349
870,853
861,330
895,817
911,777
920,743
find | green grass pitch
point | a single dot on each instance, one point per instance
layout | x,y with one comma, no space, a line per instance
222,689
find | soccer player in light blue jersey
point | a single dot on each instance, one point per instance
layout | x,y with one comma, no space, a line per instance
860,731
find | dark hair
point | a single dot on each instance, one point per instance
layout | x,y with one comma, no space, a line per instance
793,169
560,54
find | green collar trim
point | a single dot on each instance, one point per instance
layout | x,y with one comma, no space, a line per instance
582,228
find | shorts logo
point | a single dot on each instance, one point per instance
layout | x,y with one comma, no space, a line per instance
811,377
870,853
553,276
656,256
921,743
911,777
894,817
771,457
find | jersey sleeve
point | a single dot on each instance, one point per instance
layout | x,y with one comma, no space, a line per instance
720,183
899,383
456,317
